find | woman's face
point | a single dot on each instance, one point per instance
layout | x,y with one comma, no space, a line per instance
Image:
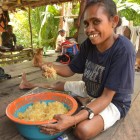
98,26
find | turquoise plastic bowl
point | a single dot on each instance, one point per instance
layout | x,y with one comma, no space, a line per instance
33,133
30,130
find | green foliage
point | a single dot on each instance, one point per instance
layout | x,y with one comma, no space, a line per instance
21,28
75,9
130,10
134,1
131,14
44,26
49,31
53,10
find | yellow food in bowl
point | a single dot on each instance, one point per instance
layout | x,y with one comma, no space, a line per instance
41,111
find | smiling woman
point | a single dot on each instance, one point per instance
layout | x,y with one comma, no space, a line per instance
96,25
106,61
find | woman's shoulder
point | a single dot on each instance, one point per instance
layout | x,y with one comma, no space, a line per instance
124,41
124,44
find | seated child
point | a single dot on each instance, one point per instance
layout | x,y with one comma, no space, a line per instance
9,41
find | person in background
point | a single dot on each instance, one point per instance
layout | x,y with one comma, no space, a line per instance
60,39
9,39
127,32
107,62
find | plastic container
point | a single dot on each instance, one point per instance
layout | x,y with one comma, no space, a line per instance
29,129
63,137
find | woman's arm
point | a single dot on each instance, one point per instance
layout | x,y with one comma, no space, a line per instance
61,69
97,105
64,122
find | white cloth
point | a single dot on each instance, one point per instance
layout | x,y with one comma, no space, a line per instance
110,114
120,30
137,43
77,88
133,35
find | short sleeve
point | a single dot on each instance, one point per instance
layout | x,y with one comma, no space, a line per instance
77,65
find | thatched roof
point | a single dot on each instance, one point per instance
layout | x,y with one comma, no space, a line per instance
13,4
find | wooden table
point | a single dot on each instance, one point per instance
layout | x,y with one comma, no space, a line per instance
127,128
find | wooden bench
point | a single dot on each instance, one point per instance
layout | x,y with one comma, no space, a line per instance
11,57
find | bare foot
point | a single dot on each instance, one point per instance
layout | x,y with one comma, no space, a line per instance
25,84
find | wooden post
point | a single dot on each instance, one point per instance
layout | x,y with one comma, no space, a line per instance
30,26
61,24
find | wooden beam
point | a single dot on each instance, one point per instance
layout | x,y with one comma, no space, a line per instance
30,26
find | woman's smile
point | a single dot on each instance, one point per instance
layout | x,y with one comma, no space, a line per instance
93,36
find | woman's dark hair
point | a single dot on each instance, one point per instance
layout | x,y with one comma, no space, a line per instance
110,6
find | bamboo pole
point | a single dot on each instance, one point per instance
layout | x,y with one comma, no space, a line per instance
61,24
30,26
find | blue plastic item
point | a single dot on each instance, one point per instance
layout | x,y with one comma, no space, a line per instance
63,137
32,132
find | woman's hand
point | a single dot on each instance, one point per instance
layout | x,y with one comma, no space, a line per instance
49,64
46,64
49,71
61,69
63,122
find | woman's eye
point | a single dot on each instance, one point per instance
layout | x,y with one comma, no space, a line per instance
86,24
96,22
